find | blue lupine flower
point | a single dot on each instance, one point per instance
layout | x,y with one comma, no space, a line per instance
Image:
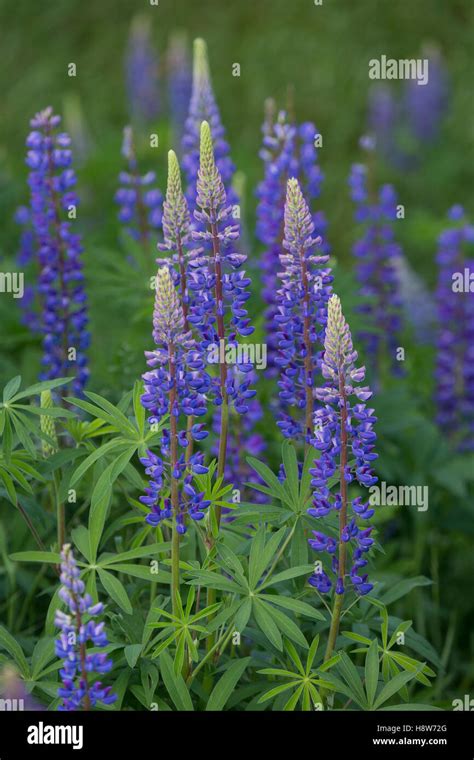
61,280
78,628
288,151
139,199
454,371
344,435
180,80
203,107
217,288
301,316
175,387
141,72
377,254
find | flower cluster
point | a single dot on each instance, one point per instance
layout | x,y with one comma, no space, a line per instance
140,203
203,107
216,284
301,316
343,432
179,83
78,627
174,387
25,257
454,371
141,72
377,253
61,280
288,151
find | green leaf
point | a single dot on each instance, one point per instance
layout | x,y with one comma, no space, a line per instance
132,653
37,388
393,686
372,671
43,653
287,626
285,575
266,624
290,463
141,571
141,551
80,536
226,684
402,588
295,605
13,648
98,453
101,497
48,557
11,388
116,590
175,685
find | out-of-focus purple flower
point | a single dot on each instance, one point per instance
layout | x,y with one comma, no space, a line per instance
139,199
61,280
301,315
175,387
141,72
288,151
13,690
179,83
203,107
79,628
454,373
343,433
426,106
377,252
417,302
26,258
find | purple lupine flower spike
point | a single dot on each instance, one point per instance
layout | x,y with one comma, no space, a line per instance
141,72
25,257
301,317
175,387
78,628
203,107
179,83
139,199
344,434
377,254
288,151
427,106
61,280
454,372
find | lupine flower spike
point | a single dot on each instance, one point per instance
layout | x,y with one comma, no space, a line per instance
203,107
179,83
219,291
78,628
301,318
454,373
141,72
377,254
140,203
342,432
61,280
175,387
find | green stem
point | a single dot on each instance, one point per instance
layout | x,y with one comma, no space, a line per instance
220,643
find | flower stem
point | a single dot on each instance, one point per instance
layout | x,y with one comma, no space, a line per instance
174,485
339,598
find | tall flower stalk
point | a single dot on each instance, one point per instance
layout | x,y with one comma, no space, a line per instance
203,107
174,391
219,292
342,432
301,316
179,72
60,289
141,72
377,254
288,151
78,628
454,372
